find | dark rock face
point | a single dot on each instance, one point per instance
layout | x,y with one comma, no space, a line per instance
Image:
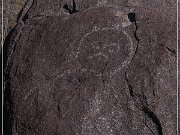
91,68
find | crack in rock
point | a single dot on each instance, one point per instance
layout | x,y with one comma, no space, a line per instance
169,49
136,97
144,108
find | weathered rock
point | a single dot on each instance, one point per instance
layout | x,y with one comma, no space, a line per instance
91,68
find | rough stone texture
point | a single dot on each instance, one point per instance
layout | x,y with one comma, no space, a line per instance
87,68
11,9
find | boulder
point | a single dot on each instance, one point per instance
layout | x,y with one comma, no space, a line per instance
91,68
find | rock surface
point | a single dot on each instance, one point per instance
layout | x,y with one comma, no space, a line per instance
11,9
89,67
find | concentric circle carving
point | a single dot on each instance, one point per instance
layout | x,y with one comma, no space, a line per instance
105,50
